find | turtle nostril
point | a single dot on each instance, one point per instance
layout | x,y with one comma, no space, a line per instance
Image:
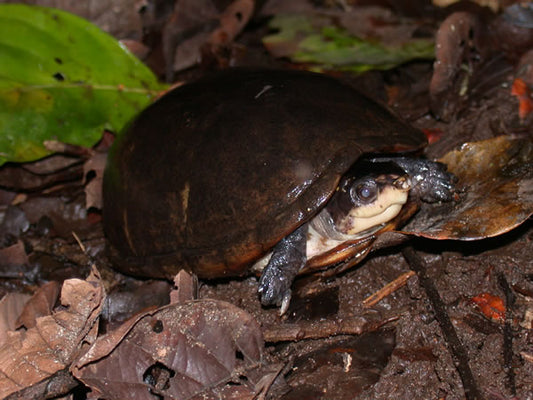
403,183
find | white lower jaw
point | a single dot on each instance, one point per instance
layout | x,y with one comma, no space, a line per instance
386,207
322,237
360,224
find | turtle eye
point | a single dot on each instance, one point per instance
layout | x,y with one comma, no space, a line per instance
365,192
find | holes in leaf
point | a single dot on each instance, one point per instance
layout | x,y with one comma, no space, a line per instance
90,175
58,76
157,326
471,34
241,380
158,376
143,8
58,60
239,355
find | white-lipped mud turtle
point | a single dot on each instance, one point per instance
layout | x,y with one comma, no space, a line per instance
218,173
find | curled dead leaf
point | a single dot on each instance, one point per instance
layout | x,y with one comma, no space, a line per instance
496,180
458,50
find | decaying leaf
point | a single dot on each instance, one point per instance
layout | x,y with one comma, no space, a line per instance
195,25
33,355
93,188
335,42
178,351
41,304
459,51
40,174
10,307
496,177
347,366
13,256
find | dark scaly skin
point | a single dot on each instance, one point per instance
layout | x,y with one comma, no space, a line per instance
288,258
431,181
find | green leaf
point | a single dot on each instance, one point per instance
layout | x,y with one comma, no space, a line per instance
316,40
62,78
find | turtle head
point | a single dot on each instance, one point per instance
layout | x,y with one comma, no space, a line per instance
369,196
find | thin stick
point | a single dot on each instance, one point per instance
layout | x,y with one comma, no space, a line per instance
386,290
322,329
456,348
82,246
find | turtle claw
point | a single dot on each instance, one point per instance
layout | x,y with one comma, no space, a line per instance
274,288
275,293
285,303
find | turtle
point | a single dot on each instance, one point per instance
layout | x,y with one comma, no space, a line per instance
244,169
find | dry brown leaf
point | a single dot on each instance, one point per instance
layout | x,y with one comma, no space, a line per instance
30,356
41,304
197,23
179,352
11,306
461,49
232,21
40,174
93,188
185,33
13,256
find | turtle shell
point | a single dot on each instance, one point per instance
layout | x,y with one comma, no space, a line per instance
214,173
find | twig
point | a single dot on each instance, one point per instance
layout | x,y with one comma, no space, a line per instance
322,329
527,356
456,348
386,290
78,240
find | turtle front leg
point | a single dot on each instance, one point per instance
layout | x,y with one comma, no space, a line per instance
431,181
288,258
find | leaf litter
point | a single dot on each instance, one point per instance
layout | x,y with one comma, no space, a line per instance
179,351
459,271
31,355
